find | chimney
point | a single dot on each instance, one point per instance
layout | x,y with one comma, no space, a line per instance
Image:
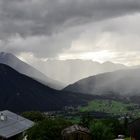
2,117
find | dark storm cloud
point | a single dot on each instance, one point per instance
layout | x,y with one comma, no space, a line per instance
45,17
48,27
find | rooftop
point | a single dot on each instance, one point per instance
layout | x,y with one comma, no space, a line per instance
12,124
75,128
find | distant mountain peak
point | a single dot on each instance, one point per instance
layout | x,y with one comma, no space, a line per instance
24,68
72,70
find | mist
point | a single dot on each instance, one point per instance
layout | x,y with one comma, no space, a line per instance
70,71
121,82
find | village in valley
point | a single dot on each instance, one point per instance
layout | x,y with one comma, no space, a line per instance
71,123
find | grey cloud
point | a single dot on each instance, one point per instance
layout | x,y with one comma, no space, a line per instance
40,46
47,28
39,17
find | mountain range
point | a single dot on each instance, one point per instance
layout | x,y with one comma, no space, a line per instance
19,93
24,68
70,71
24,88
122,82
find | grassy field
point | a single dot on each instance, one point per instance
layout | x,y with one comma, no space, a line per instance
112,107
127,138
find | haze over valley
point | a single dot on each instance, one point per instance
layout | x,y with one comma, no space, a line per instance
70,71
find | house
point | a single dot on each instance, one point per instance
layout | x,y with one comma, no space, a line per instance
11,125
120,137
76,132
134,128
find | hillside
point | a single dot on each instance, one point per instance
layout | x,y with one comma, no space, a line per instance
123,82
112,107
21,93
24,68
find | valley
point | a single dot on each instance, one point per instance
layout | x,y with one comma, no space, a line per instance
113,108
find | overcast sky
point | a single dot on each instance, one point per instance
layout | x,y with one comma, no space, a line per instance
101,30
